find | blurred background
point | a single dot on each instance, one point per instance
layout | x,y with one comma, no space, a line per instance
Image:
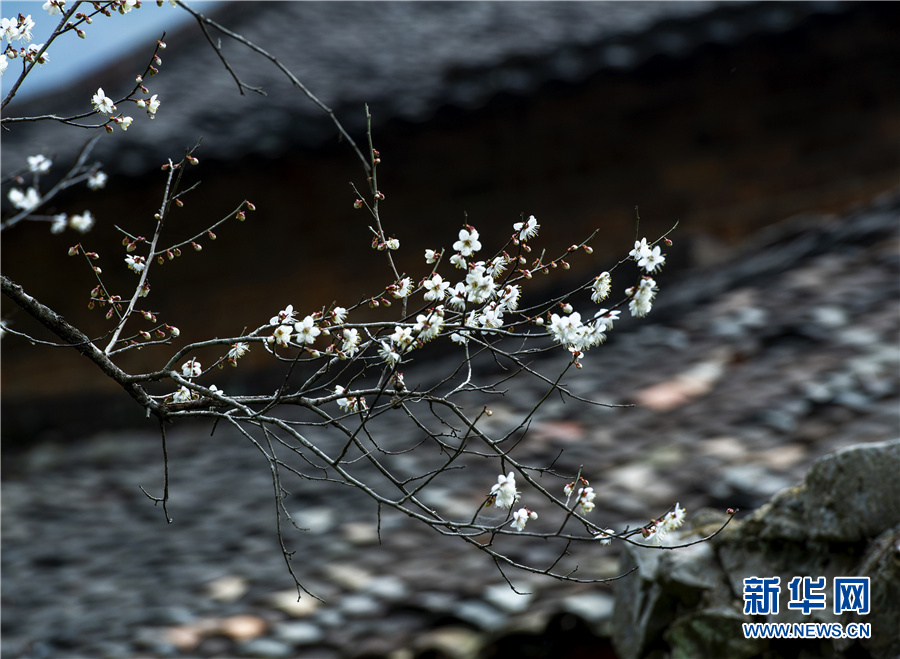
761,128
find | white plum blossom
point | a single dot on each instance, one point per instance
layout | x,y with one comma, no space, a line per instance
651,260
462,338
642,298
527,229
458,262
191,369
504,491
284,317
126,6
25,201
491,316
402,288
102,102
498,265
339,315
4,63
97,180
402,337
601,287
661,527
152,106
135,263
349,403
306,330
479,286
33,50
13,30
641,249
124,122
53,7
468,242
605,318
674,518
605,536
82,223
509,298
436,288
39,164
586,499
282,335
431,256
9,27
521,516
237,351
565,328
388,354
428,326
351,339
457,297
183,395
392,243
60,222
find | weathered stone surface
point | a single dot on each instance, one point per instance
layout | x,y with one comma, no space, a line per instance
689,602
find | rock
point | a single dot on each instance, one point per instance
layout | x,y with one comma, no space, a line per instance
843,520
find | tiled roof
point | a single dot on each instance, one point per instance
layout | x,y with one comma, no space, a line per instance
405,59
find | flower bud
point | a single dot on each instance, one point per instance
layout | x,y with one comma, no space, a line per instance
74,250
157,60
173,331
162,45
179,203
139,79
567,308
668,242
588,249
250,205
241,216
193,160
109,129
130,247
197,247
109,314
211,235
97,269
145,335
177,252
80,33
565,265
358,204
141,103
379,196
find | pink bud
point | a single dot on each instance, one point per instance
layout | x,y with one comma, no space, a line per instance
241,216
250,206
73,250
379,196
358,204
197,247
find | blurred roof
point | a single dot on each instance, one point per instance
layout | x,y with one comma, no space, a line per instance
405,60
